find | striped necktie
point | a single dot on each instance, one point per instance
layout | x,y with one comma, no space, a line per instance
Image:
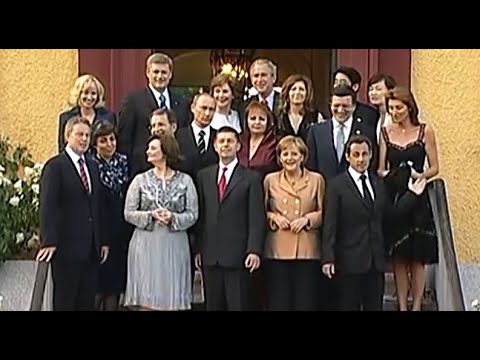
201,142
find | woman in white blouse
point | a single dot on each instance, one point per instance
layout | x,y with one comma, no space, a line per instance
222,88
378,86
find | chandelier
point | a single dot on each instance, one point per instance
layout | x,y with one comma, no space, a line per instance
234,62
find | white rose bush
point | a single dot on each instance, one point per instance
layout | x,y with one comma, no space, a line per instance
19,202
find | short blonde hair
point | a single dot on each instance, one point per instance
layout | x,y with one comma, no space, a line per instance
80,84
292,140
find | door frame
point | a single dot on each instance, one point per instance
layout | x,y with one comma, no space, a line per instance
395,62
123,70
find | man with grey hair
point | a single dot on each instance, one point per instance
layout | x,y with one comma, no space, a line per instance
263,75
134,116
73,229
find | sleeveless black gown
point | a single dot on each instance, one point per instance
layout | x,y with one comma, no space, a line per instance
412,236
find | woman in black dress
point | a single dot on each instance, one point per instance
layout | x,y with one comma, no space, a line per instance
298,113
113,168
408,150
87,99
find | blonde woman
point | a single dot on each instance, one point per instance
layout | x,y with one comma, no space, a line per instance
87,99
294,203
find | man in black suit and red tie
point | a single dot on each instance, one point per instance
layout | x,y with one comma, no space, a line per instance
232,226
353,249
134,116
73,235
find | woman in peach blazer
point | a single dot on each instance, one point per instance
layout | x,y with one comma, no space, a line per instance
294,201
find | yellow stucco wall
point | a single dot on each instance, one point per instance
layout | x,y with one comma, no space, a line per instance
445,83
34,88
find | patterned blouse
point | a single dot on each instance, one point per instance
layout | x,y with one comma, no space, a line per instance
113,173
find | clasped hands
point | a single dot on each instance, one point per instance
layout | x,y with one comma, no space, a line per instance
296,225
163,217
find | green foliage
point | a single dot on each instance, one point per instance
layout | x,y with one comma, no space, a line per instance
19,201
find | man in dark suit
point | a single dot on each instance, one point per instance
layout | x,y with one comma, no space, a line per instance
72,231
326,141
349,76
231,228
353,244
134,116
196,140
263,75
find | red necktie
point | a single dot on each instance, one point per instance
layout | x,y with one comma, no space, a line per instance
222,185
83,174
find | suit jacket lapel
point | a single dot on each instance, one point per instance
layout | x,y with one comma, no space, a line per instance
174,102
237,175
213,187
276,103
92,170
374,182
356,127
330,145
193,140
151,101
293,190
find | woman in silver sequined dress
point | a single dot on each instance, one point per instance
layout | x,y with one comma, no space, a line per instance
162,204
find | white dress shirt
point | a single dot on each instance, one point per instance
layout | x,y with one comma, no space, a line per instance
196,133
270,100
358,181
75,157
228,174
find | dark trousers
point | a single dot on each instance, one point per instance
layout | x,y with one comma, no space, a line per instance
226,289
327,292
361,291
258,291
74,285
292,285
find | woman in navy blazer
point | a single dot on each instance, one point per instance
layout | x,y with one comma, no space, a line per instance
87,99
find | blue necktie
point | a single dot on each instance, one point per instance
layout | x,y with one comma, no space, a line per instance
163,104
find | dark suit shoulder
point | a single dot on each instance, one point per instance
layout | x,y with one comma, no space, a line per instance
321,125
139,93
183,132
340,180
366,108
206,170
56,160
104,112
67,114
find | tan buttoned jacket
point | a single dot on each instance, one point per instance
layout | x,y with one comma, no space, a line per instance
303,199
